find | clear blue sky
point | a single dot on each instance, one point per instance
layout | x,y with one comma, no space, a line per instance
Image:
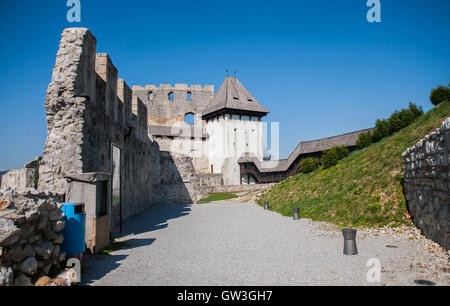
318,66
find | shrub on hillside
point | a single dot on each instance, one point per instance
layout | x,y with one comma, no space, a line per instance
332,156
401,119
309,165
385,127
395,123
440,94
364,139
406,117
381,130
416,110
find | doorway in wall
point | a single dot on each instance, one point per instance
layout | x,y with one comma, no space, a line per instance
116,190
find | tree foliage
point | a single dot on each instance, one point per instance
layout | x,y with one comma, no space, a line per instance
332,156
385,127
309,165
440,94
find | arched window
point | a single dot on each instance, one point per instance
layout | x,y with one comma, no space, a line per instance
150,95
189,96
189,118
170,96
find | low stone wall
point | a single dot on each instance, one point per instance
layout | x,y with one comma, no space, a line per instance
18,178
427,184
177,181
30,235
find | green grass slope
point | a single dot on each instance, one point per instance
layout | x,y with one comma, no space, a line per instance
218,197
364,189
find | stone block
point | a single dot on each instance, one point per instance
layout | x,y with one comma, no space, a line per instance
6,276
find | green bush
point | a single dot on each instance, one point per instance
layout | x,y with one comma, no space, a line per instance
406,117
395,123
364,139
309,165
440,94
381,130
385,127
332,156
401,119
416,110
342,151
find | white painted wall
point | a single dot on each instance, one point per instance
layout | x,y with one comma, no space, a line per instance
230,136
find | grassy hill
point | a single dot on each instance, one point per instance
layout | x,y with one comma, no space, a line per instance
364,189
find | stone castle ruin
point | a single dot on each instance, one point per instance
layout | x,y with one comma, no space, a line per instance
125,148
120,149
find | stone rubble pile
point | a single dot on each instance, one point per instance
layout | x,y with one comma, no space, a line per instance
30,235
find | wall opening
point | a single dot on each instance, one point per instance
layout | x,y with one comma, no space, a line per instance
189,118
116,188
150,95
170,96
189,96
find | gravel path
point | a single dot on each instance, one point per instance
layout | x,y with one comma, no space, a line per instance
231,243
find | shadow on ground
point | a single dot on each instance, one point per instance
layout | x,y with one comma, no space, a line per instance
155,218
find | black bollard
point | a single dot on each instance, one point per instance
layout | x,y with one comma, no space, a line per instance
349,241
266,205
296,213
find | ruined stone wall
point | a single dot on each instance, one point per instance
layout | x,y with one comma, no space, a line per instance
427,184
18,178
173,171
72,87
30,235
179,182
196,148
163,111
88,110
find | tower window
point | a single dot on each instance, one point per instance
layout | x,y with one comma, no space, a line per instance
189,118
189,96
171,96
150,95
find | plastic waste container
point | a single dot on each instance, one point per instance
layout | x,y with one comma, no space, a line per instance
75,230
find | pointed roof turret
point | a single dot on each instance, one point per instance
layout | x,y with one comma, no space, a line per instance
233,97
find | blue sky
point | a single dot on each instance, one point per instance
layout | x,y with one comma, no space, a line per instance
318,66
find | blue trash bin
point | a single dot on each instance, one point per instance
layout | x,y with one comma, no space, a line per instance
75,230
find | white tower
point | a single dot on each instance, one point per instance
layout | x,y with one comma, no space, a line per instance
233,122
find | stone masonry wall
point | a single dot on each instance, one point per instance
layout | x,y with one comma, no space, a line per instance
178,181
186,99
30,235
18,178
427,184
71,88
88,110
